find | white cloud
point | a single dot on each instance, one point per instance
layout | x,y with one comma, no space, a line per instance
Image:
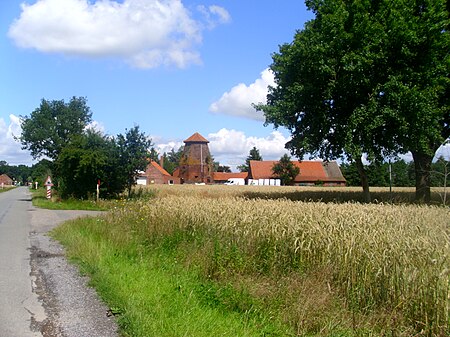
443,151
238,101
214,15
10,149
147,33
231,147
168,146
96,126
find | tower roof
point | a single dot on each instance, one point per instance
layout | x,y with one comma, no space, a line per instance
196,138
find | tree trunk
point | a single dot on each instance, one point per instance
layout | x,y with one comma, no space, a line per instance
422,168
364,180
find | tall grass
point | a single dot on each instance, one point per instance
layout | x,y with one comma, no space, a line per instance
398,195
326,269
39,199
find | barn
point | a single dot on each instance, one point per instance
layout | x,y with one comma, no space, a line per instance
312,172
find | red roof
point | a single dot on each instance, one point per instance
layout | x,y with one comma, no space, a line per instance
224,176
196,138
310,171
159,168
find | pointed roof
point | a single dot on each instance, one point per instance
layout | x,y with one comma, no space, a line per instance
196,138
159,168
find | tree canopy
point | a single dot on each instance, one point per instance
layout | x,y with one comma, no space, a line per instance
81,156
133,148
285,170
172,159
366,77
85,160
253,155
50,127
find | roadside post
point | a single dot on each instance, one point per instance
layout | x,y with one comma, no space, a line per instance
98,189
35,185
48,184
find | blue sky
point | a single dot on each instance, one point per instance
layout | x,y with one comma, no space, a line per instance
171,67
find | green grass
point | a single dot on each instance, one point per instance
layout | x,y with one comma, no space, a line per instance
6,188
40,200
152,293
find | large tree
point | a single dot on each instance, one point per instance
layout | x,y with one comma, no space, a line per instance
134,149
89,158
366,78
50,127
253,155
285,170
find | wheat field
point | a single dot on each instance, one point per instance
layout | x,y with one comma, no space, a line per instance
389,258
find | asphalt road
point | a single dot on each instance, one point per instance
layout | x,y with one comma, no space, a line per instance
40,293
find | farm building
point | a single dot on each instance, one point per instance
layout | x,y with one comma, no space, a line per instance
196,161
311,172
155,174
5,180
222,177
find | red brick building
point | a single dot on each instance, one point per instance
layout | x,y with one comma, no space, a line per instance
5,180
155,174
196,162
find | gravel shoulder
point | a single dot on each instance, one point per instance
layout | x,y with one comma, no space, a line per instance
72,308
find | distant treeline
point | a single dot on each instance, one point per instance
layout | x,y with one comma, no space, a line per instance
402,173
23,173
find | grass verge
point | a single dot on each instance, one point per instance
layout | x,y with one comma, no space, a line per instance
6,189
152,293
39,199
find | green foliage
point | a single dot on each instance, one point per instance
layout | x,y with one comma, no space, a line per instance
440,173
149,289
285,170
51,126
366,77
403,174
223,168
133,155
41,170
85,160
253,155
20,173
40,200
172,159
153,155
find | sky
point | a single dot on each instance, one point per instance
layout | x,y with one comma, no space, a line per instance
171,67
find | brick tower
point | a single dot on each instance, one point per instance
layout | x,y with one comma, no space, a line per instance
196,162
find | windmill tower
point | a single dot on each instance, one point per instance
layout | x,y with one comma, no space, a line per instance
196,161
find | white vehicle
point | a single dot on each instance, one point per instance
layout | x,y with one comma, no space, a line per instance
235,181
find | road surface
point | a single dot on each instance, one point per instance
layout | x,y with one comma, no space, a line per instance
40,293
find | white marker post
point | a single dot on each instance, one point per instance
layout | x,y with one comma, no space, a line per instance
98,189
48,184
